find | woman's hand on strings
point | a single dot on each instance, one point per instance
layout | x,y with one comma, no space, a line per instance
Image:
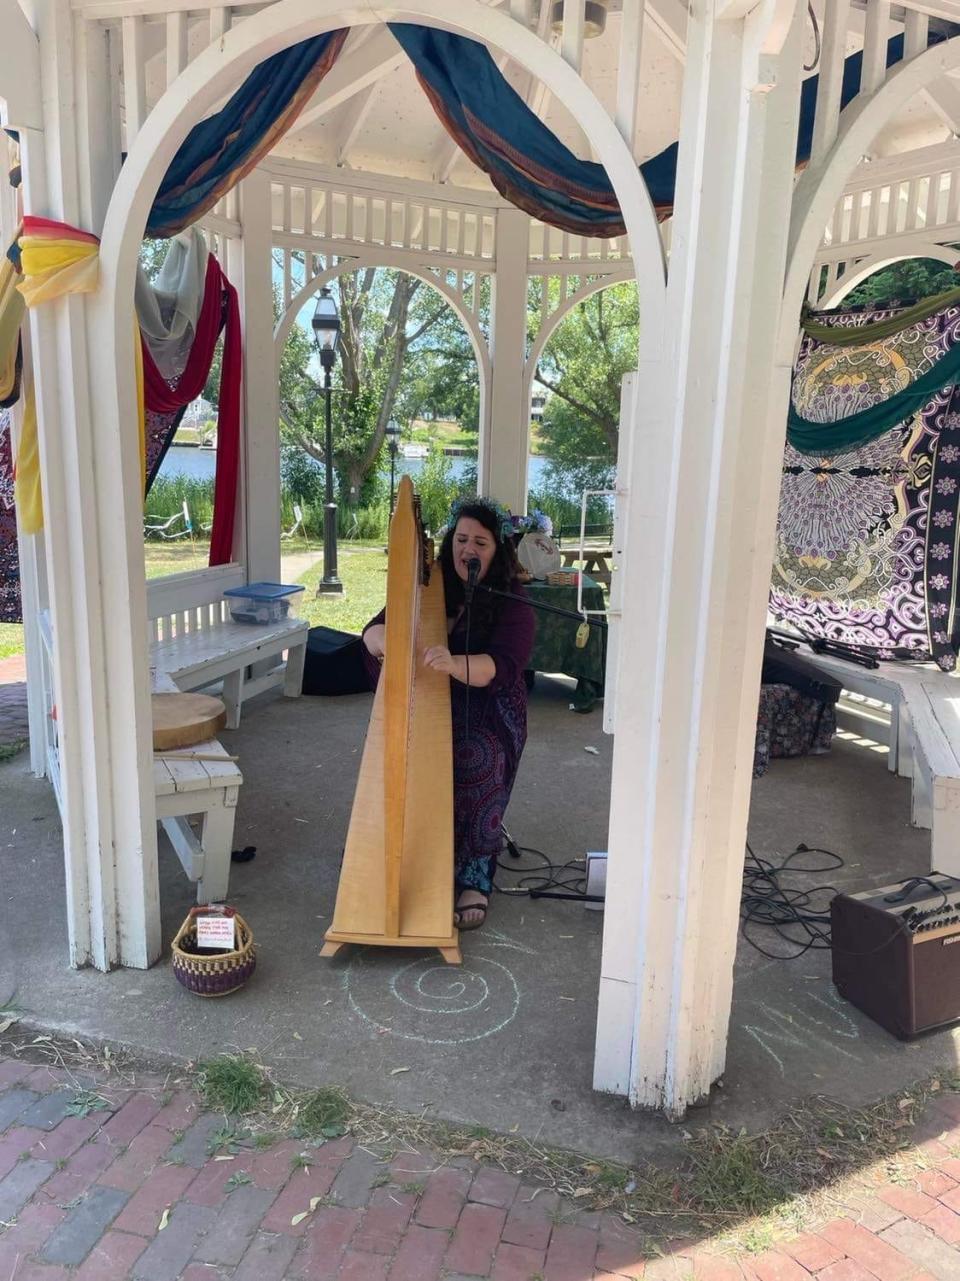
440,659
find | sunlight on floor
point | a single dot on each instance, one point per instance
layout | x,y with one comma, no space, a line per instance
859,740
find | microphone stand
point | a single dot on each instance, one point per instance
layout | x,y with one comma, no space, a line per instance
599,623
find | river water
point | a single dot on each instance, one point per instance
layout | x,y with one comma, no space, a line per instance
200,464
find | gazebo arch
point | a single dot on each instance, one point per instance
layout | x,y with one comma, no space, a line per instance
469,321
197,90
876,262
556,318
822,183
215,72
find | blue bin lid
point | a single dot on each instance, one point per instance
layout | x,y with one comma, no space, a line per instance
264,591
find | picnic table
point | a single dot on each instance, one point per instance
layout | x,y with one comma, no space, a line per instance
595,561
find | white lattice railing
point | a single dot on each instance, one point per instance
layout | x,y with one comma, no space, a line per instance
331,212
916,193
338,214
892,208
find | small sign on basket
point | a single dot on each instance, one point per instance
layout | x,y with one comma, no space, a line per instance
217,932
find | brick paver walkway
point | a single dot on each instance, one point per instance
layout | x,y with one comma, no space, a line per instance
133,1193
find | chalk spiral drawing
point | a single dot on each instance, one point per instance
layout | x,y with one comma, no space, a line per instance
424,999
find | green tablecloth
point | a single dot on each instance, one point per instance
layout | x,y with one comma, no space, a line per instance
555,648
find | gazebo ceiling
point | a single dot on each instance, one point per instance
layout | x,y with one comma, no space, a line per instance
381,122
390,128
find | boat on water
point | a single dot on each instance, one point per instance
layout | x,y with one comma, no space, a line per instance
411,449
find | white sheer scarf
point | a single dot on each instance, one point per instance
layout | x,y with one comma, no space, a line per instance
168,309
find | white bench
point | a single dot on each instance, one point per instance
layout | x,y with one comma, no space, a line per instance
195,641
206,791
874,688
923,740
934,711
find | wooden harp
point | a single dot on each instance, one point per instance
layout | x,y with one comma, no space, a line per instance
396,882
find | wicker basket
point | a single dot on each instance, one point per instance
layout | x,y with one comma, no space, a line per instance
217,974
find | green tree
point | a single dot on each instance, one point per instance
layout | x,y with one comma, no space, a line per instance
397,335
582,367
909,280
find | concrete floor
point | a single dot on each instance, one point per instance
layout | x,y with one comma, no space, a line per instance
506,1041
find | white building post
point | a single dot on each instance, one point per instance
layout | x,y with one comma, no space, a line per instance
260,429
687,692
505,433
93,536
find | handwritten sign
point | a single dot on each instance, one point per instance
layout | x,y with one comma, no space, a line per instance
216,932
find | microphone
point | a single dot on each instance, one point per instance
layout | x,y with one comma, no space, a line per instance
473,571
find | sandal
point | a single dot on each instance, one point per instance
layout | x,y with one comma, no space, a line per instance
460,912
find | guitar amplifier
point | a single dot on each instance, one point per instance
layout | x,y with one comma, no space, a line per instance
896,953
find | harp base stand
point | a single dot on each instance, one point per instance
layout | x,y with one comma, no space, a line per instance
449,949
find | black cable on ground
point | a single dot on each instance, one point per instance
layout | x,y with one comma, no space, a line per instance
799,915
536,875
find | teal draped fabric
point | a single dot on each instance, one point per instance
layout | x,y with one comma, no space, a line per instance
526,162
493,125
221,150
827,439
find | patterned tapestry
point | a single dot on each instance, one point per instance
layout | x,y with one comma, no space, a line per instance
867,539
9,560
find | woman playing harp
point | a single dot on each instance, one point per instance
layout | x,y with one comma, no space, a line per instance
488,691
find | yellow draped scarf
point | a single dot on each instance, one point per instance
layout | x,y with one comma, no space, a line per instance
56,260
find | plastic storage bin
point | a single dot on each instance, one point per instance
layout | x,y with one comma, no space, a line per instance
262,602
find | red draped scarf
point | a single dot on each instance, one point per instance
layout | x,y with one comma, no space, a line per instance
220,310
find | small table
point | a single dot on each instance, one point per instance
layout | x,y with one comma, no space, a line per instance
555,647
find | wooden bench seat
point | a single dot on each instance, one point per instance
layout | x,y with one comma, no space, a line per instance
195,641
923,740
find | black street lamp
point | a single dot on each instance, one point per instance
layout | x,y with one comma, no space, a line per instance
326,333
393,444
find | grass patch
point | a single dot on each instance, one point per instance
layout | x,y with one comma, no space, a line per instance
323,1113
363,571
9,750
161,558
231,1084
11,639
729,1174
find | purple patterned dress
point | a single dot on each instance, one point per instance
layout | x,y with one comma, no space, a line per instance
489,731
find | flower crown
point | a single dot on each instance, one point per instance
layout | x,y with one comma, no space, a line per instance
500,514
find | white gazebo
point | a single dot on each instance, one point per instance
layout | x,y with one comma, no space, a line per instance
368,177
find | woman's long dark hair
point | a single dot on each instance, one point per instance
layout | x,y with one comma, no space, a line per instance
500,575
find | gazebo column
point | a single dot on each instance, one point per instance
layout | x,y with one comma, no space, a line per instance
505,438
93,534
260,431
703,486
